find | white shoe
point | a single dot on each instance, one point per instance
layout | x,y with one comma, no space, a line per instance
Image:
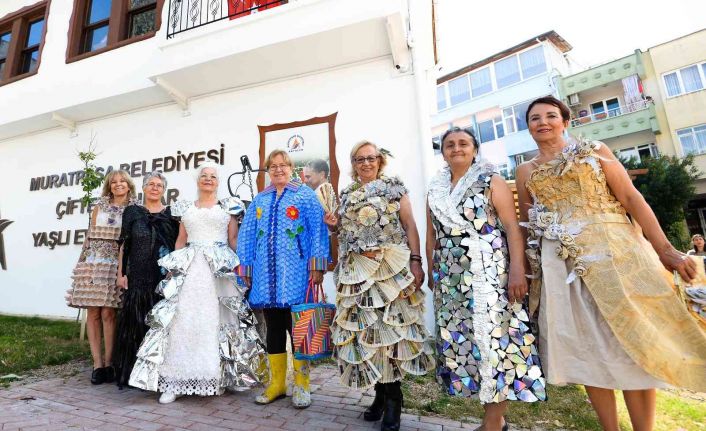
167,398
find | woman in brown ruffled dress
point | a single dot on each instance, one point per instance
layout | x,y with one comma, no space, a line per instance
95,275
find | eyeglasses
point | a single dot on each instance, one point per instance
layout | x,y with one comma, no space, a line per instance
369,159
155,185
273,168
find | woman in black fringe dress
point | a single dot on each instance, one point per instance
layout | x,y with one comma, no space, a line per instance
148,233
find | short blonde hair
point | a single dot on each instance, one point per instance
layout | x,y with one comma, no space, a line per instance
380,154
278,152
109,177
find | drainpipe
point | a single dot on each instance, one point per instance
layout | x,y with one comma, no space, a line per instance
421,86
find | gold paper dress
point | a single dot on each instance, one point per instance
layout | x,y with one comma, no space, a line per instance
608,314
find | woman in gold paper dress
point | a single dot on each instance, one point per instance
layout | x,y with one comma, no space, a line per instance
379,329
608,316
94,284
485,345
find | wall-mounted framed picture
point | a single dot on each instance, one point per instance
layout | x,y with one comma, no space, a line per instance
312,140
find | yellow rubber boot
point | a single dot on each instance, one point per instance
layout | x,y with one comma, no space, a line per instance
276,387
301,394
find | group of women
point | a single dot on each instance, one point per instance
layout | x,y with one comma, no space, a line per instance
599,310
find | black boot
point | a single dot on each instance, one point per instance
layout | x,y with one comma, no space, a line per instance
98,376
109,374
393,407
374,412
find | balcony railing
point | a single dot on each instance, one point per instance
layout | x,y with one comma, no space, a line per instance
185,15
611,113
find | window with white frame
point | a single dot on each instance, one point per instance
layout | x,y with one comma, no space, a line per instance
509,119
497,75
606,108
481,83
490,130
685,80
532,62
459,91
514,118
436,144
639,152
693,139
441,98
507,72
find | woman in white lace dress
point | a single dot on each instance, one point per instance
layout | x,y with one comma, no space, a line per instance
202,336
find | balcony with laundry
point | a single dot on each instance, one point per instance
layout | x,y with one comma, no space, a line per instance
610,109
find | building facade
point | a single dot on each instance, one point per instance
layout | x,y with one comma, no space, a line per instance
679,68
615,103
492,95
168,84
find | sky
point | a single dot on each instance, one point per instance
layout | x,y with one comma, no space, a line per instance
598,30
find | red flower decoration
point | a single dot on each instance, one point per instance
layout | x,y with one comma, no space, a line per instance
293,212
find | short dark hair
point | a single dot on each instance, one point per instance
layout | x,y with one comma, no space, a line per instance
550,100
319,165
455,129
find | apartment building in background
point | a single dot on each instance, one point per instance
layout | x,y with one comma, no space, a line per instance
679,67
492,95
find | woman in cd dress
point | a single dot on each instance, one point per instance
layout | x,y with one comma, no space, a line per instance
148,233
379,329
484,342
609,317
94,284
202,338
284,247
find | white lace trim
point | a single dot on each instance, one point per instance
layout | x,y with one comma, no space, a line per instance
196,386
443,201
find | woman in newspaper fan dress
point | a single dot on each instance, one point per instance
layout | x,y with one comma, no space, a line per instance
609,317
283,247
94,284
484,342
379,329
202,338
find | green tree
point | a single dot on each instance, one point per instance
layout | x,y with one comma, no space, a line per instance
668,186
91,179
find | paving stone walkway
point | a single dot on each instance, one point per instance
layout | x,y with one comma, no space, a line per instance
74,404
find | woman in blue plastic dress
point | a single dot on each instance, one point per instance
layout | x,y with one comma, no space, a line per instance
202,338
484,343
283,247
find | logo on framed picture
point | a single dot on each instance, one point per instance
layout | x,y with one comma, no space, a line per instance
295,143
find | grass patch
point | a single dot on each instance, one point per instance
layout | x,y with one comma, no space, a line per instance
567,408
27,343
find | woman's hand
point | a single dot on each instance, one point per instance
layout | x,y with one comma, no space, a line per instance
331,220
316,277
516,285
675,260
122,282
418,272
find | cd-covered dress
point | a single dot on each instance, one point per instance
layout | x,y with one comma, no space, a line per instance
379,329
95,274
484,343
202,336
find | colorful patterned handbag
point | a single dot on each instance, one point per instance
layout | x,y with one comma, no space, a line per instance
311,325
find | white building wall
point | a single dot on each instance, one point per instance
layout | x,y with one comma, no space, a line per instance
371,104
